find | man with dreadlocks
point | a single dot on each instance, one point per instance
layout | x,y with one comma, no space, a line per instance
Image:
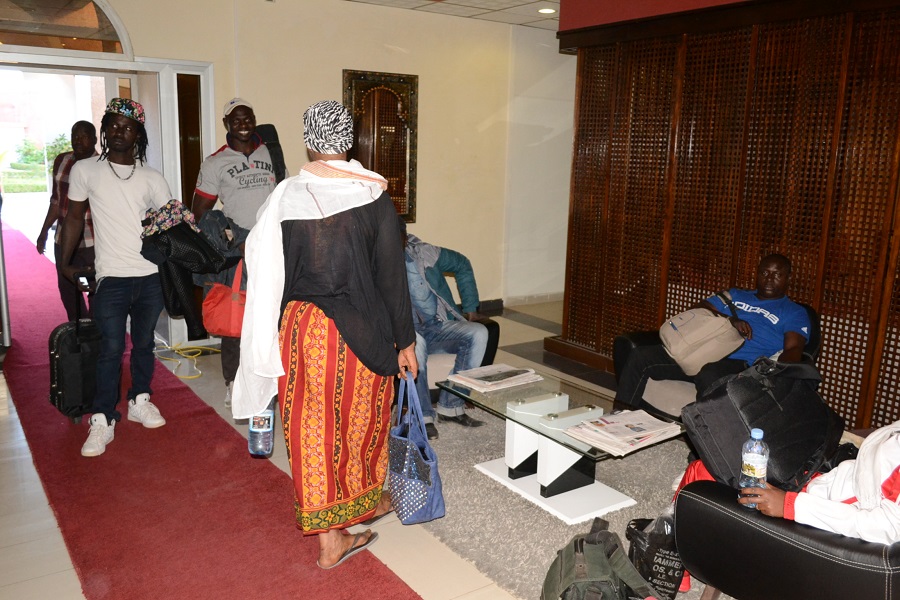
120,192
327,267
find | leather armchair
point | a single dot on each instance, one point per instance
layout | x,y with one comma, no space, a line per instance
750,556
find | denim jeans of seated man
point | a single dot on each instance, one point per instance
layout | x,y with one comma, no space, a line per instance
422,380
465,339
115,299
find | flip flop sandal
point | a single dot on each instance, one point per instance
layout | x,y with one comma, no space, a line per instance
353,549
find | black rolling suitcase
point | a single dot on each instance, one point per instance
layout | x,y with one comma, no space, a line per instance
74,348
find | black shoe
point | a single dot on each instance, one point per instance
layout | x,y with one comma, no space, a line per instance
463,419
431,430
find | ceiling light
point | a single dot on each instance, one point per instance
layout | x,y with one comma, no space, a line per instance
546,11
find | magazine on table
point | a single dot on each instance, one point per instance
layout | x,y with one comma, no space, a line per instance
494,377
623,432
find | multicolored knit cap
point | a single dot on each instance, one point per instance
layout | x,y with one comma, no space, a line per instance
126,108
328,127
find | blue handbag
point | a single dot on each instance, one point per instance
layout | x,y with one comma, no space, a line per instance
415,484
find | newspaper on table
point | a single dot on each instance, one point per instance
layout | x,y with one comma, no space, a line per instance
494,377
624,432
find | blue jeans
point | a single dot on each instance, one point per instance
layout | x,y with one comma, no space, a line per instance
467,340
422,380
115,300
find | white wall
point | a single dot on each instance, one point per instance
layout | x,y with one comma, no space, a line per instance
491,98
541,118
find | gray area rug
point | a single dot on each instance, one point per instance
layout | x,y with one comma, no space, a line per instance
513,541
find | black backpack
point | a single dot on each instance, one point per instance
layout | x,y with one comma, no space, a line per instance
269,136
802,432
594,567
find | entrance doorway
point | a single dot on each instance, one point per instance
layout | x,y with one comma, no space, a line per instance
177,98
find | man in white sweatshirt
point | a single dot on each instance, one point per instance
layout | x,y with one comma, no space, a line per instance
858,498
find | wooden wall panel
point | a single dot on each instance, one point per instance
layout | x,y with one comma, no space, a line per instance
793,107
635,208
587,218
859,248
718,148
710,143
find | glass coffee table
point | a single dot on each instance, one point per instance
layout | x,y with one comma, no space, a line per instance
542,463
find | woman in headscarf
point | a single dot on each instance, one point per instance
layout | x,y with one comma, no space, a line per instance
327,325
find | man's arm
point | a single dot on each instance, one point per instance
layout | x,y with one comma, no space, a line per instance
742,326
451,261
880,524
201,204
794,343
72,228
52,216
53,210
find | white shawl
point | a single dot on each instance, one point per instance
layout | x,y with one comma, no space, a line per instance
322,189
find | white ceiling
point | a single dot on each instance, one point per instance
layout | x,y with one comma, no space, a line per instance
513,12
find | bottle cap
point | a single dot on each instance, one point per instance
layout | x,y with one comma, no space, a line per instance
756,433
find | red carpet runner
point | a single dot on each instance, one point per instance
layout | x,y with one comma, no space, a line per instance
176,512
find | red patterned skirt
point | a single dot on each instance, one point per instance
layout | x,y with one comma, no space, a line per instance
336,416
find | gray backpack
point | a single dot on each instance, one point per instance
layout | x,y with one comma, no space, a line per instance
594,567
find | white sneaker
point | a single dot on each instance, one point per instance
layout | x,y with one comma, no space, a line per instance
145,412
99,436
228,387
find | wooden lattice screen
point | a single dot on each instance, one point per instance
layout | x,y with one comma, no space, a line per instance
697,153
385,123
383,138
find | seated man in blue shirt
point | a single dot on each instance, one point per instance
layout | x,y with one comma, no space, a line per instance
440,325
769,321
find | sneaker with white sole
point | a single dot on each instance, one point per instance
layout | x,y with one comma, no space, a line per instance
143,411
228,387
99,436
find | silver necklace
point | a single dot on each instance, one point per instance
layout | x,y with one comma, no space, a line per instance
130,175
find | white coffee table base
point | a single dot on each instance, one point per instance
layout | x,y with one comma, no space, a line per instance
573,507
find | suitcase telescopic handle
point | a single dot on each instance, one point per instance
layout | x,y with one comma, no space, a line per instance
87,275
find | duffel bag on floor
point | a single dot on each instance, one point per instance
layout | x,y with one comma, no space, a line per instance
594,567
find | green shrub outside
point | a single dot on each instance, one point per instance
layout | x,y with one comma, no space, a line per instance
30,152
23,181
27,167
22,187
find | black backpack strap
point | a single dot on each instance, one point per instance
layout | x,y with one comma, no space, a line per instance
269,136
764,367
725,297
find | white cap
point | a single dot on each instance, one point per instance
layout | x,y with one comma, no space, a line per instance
234,103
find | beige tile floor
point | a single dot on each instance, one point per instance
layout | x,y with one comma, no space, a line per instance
34,563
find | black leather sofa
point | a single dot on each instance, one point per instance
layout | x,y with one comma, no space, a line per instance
750,556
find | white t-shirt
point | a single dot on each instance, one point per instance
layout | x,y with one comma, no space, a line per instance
117,207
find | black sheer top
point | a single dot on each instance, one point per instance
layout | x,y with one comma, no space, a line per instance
351,266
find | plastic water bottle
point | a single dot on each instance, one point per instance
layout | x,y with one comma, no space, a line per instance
261,440
754,459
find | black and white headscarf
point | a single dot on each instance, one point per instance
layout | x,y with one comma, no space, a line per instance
328,127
